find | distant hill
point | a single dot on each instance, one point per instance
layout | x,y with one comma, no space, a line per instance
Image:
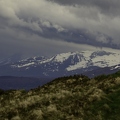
12,82
67,98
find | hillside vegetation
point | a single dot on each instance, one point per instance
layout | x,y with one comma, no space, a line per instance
68,98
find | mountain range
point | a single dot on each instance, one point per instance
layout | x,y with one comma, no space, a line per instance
90,63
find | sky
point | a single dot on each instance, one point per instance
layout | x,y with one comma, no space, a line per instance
47,27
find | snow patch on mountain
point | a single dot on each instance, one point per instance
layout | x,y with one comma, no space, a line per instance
115,67
46,61
62,57
99,59
26,65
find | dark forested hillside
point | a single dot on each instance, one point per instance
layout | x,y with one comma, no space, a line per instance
67,98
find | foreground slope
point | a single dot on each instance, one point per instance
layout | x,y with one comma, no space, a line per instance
67,98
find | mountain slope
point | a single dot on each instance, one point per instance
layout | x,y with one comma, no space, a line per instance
67,98
62,64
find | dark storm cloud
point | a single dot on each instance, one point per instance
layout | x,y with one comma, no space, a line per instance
33,27
107,6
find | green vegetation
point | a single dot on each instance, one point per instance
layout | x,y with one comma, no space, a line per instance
68,98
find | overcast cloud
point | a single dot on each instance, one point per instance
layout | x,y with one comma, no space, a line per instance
47,27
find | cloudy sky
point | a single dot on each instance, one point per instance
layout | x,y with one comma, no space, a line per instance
47,27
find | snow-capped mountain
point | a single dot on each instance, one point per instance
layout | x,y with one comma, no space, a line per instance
63,64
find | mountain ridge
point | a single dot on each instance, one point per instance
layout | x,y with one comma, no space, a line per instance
62,64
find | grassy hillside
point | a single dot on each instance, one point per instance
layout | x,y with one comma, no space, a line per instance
67,98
